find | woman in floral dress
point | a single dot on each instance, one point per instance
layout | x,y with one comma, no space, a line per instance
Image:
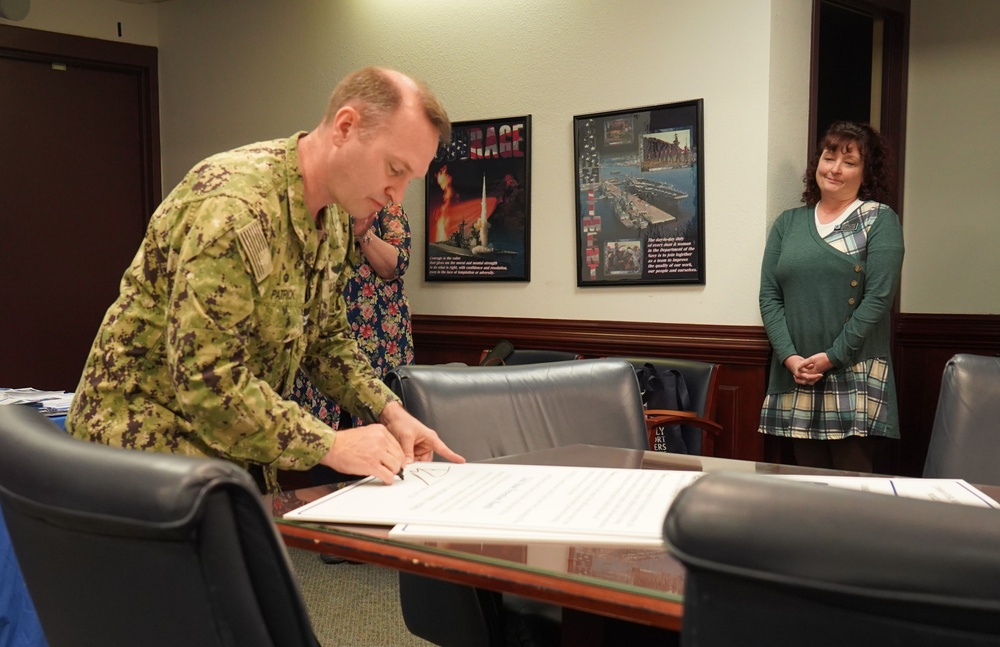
377,310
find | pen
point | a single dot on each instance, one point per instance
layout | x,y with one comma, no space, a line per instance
400,474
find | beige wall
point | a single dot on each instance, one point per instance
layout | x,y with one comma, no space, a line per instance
266,71
952,191
238,71
94,19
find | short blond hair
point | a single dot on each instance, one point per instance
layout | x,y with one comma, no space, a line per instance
376,95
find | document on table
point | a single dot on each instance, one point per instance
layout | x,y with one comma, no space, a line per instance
486,502
500,501
944,490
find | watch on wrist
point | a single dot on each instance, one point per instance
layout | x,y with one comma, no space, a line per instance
367,237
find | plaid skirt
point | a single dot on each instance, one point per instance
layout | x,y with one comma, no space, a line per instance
848,402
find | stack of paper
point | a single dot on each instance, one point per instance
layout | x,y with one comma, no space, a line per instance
53,403
486,502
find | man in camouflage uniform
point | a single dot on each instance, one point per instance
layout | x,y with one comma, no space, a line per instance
239,281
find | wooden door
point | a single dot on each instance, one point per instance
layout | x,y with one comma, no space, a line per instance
79,178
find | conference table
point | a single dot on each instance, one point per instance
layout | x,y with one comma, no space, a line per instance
604,590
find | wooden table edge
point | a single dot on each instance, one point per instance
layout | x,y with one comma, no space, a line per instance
624,605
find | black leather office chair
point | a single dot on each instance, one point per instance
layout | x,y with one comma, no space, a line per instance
965,438
492,411
124,547
776,563
699,429
489,411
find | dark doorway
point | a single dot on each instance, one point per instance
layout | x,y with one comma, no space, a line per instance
859,65
844,68
80,167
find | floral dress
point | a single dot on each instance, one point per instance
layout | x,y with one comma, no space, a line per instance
378,312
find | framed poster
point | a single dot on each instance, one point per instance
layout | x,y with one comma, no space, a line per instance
640,189
478,201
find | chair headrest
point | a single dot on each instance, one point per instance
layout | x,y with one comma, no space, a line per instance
79,481
489,411
822,536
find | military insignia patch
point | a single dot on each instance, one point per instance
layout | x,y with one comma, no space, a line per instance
255,250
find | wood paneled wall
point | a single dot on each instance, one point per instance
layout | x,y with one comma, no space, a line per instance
922,346
742,352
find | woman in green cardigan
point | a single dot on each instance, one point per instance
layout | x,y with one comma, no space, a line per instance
828,279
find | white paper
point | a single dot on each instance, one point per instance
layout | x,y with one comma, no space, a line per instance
574,501
944,490
492,502
50,402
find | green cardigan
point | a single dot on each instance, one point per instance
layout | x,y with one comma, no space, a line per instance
815,298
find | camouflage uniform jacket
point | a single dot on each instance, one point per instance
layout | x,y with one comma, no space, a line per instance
233,288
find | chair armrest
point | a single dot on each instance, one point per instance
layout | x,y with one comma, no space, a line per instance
660,417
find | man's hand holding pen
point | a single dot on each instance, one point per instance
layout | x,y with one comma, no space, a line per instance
384,448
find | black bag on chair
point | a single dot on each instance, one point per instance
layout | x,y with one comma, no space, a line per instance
666,389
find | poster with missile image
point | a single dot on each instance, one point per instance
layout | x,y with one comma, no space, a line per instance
478,202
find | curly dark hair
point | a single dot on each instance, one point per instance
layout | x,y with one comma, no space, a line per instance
874,153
